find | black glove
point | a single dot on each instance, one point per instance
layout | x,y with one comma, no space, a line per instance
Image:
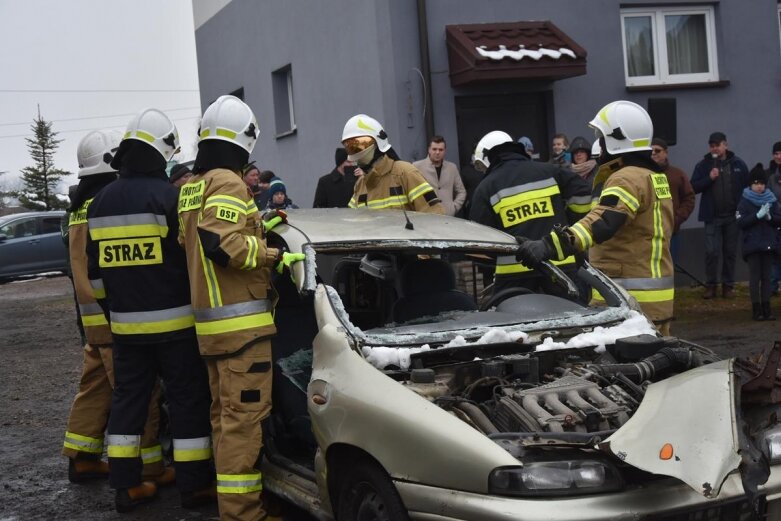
557,245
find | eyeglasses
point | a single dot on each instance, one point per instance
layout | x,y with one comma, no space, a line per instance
657,150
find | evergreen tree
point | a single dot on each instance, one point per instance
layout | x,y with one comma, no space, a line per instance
40,181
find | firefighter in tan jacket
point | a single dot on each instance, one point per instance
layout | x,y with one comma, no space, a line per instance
229,267
89,413
388,182
628,232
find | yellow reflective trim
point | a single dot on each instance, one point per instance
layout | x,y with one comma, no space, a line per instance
224,132
352,204
648,296
622,194
641,142
99,293
192,454
130,252
656,241
229,325
83,443
583,235
152,454
251,262
419,190
212,284
80,215
603,115
509,269
580,208
557,244
204,133
123,451
394,200
239,483
143,328
221,489
126,232
661,186
145,136
360,124
127,135
216,200
94,320
191,196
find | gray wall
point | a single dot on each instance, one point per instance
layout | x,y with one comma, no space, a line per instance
352,56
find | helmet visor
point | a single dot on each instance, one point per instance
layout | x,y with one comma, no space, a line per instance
357,144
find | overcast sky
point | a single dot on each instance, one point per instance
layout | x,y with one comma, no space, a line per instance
92,64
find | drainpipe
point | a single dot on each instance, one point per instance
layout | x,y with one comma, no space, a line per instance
425,65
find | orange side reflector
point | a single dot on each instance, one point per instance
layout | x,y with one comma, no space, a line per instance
666,452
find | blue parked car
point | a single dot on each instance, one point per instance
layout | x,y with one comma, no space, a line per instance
31,243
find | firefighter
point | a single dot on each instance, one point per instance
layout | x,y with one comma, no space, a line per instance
387,182
90,410
628,232
230,277
525,199
132,248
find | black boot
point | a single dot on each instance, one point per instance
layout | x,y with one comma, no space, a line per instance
766,313
756,311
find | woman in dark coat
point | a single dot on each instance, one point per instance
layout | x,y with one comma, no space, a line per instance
759,218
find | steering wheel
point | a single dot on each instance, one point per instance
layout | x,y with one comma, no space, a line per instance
503,295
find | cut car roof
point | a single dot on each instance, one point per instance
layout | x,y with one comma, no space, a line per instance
364,229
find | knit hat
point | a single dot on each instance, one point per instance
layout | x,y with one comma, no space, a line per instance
777,147
340,156
177,171
757,175
277,186
659,142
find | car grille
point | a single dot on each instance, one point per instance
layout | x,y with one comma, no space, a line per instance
731,511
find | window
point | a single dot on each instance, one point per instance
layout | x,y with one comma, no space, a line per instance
669,46
284,115
50,225
20,228
239,93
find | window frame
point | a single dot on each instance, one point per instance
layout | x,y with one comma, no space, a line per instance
658,30
284,106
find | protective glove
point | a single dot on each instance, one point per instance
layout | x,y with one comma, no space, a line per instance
273,218
556,245
764,211
286,260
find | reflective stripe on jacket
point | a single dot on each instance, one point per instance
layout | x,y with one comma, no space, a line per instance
526,199
637,256
395,184
133,253
228,262
93,317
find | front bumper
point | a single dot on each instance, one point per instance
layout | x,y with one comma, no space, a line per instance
664,497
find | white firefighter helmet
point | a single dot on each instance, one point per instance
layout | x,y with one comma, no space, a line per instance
230,119
96,150
486,143
359,126
154,128
626,127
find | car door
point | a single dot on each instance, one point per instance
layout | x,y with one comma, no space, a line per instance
52,251
19,251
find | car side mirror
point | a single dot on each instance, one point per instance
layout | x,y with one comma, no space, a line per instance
3,237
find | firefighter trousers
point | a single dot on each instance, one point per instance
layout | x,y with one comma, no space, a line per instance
241,398
90,411
136,369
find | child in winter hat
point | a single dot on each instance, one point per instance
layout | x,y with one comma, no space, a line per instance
759,218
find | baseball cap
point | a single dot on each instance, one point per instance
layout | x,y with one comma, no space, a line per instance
717,137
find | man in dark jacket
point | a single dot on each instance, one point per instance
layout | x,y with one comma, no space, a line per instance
774,185
335,189
720,177
525,199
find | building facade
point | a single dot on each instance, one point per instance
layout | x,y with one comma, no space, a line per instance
460,68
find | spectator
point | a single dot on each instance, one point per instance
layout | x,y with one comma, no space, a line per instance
582,164
180,174
443,176
265,180
680,188
759,216
560,149
774,184
529,146
335,189
720,177
278,199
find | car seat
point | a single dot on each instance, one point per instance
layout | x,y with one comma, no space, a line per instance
428,287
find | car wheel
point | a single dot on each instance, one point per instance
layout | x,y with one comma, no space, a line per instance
367,494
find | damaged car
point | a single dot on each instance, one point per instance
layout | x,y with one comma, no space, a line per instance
401,392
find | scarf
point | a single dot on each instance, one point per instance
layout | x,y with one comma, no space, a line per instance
583,169
759,199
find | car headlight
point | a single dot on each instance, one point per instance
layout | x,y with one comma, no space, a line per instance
555,478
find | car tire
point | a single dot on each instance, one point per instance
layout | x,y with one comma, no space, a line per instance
366,493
